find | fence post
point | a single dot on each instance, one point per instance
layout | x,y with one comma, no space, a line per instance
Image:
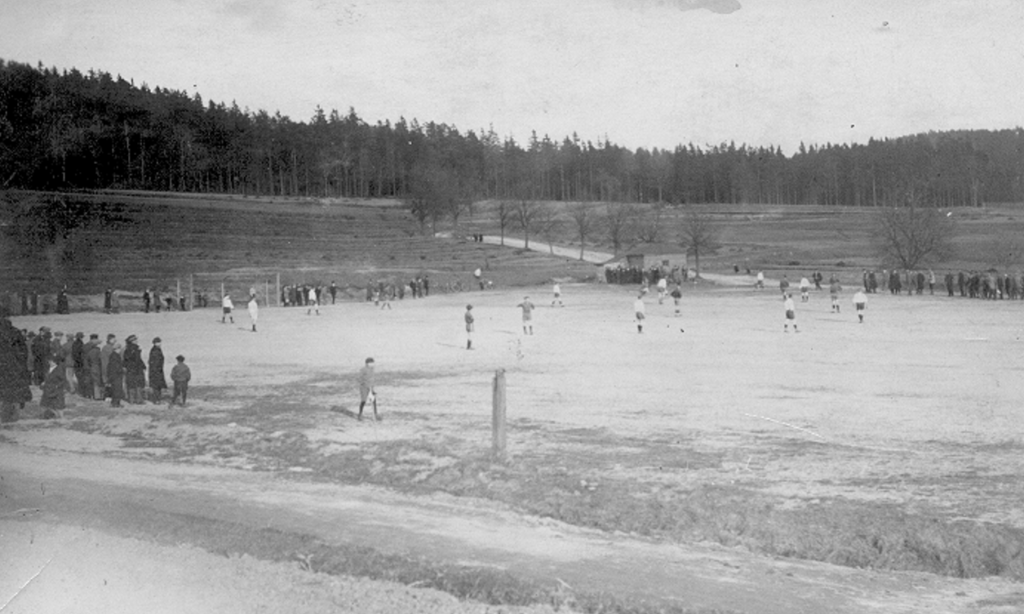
191,293
278,290
498,415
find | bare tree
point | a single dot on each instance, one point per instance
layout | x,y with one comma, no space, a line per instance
548,225
912,236
648,227
584,220
617,220
699,236
504,212
526,214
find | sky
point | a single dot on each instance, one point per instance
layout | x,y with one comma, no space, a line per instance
641,73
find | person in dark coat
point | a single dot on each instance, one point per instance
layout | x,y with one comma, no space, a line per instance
62,301
94,363
115,375
78,364
108,300
52,400
40,356
14,384
134,370
156,370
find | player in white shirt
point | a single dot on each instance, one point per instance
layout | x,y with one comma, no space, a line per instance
557,290
860,301
790,309
638,308
254,311
805,290
662,290
312,302
226,307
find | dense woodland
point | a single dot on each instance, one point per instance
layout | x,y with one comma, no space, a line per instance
69,130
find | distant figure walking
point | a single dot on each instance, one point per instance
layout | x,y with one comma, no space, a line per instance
677,295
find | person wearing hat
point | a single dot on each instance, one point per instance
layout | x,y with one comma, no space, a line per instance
469,327
134,370
115,375
157,383
180,375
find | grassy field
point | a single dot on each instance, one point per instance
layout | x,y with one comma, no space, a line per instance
891,446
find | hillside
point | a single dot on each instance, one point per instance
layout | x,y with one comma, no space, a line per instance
130,241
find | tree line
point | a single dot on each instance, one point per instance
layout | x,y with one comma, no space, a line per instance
72,130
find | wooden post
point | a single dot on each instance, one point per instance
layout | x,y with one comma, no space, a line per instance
498,415
191,293
178,296
278,289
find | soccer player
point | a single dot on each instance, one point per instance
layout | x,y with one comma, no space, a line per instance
527,308
805,290
226,307
760,281
677,294
638,308
367,393
312,302
469,327
790,308
254,311
833,290
662,289
860,301
557,290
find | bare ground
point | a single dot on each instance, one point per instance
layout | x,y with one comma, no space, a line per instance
711,462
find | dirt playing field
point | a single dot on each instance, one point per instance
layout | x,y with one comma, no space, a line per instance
711,463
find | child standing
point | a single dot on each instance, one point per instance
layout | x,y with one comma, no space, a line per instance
180,375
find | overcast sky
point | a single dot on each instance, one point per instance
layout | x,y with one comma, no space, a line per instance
646,73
